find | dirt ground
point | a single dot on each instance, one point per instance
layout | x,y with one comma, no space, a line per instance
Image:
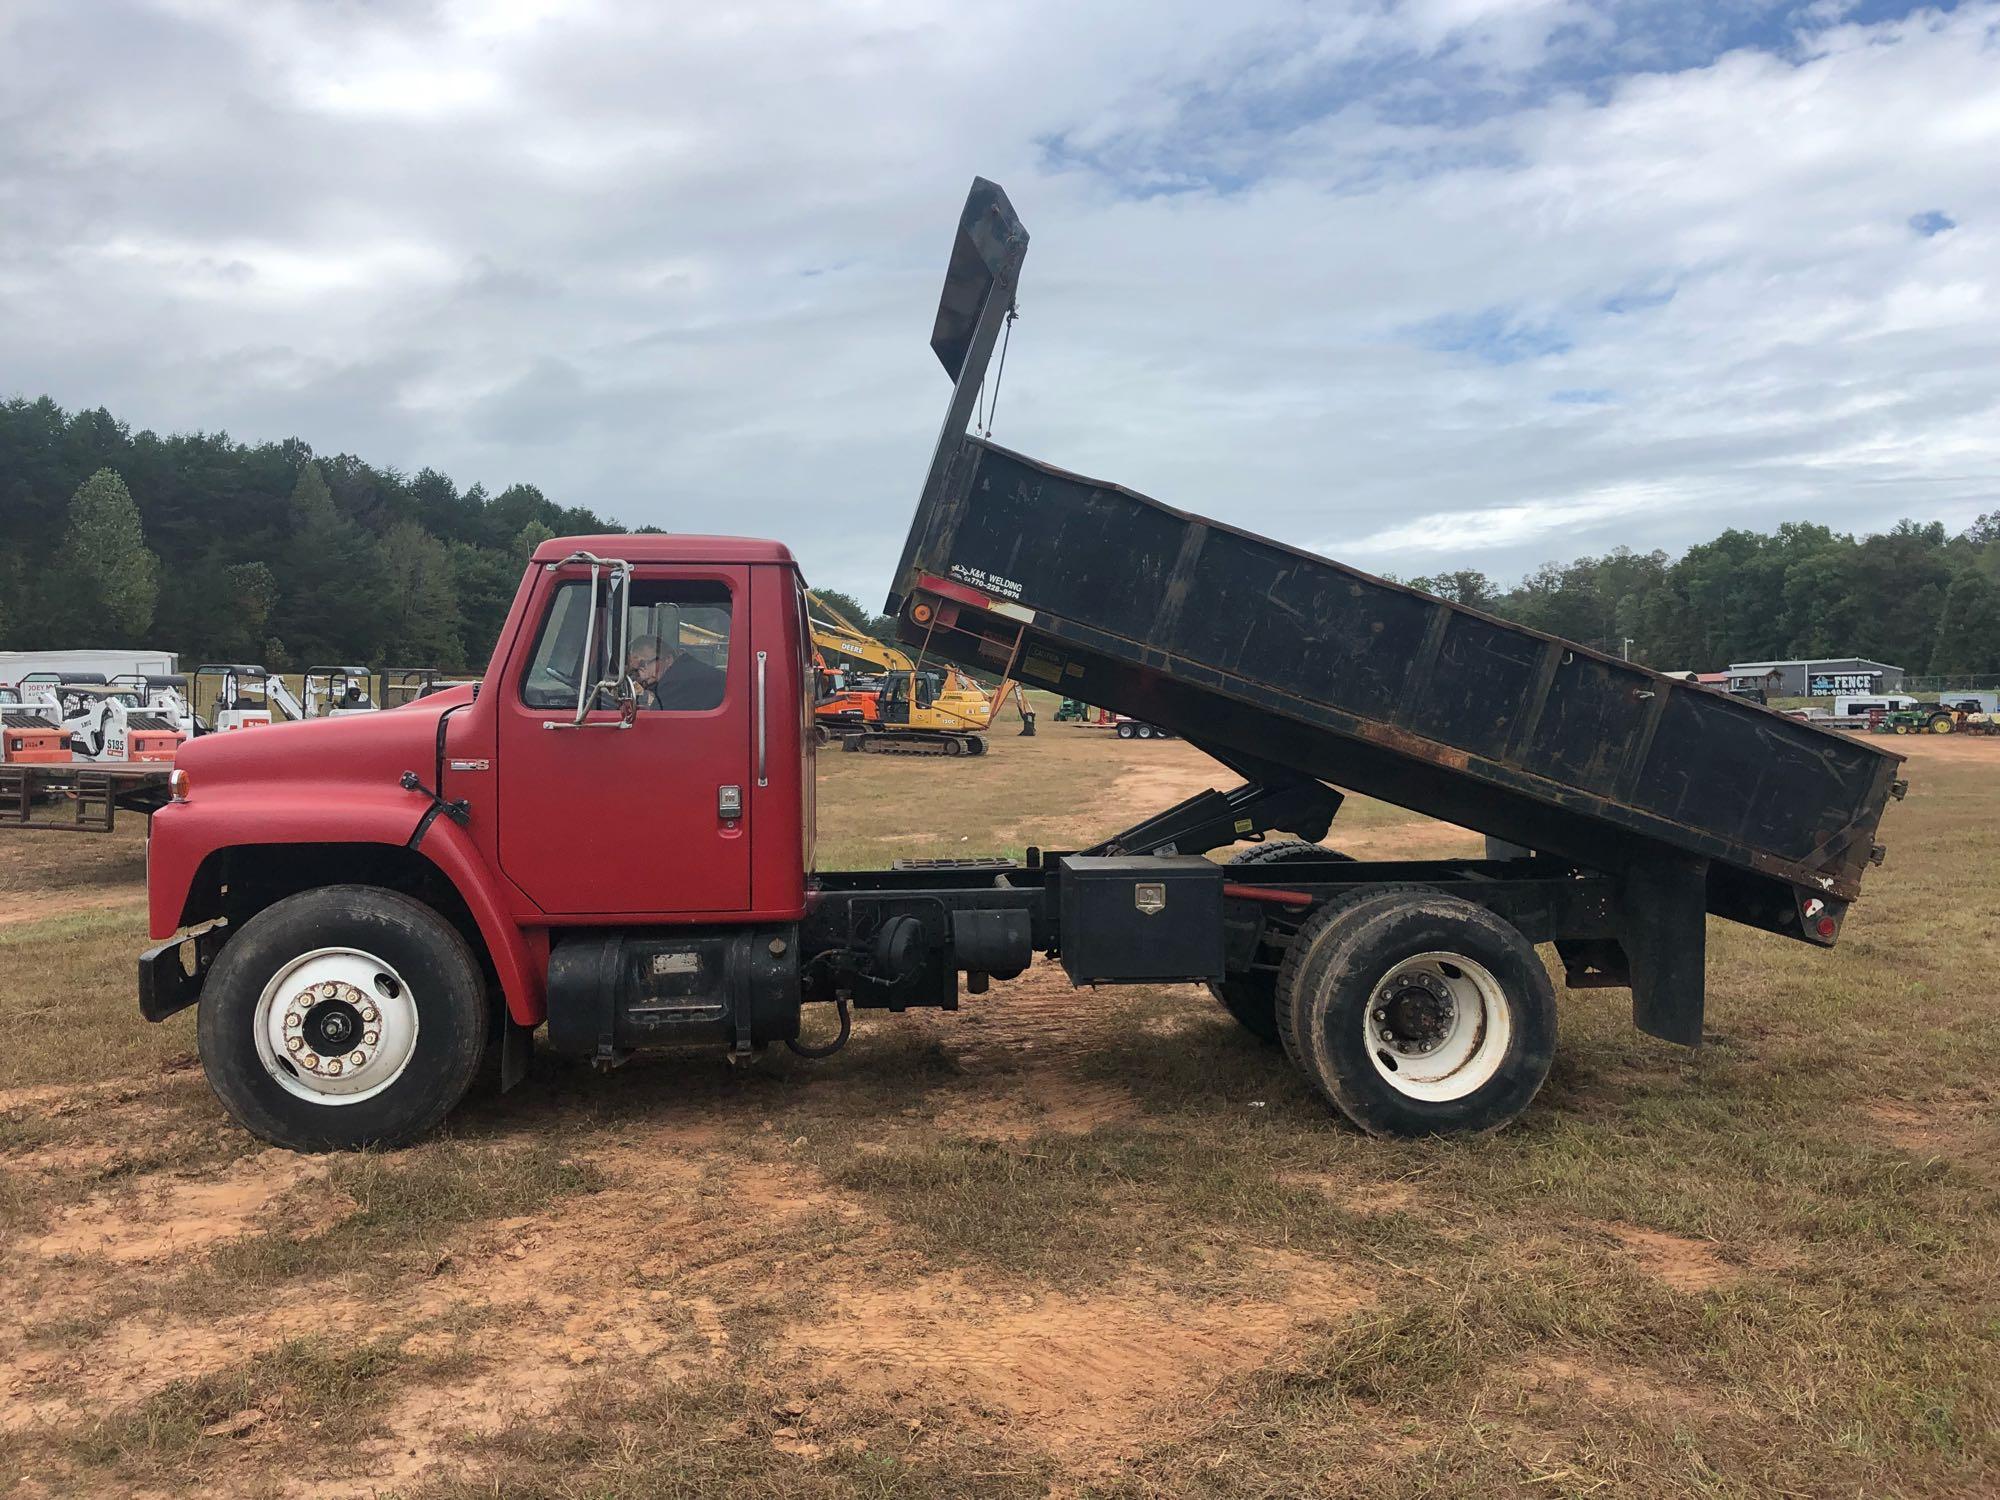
1054,1243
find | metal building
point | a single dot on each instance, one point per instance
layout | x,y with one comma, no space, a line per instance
1816,677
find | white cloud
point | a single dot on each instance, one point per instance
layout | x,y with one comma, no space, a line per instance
679,263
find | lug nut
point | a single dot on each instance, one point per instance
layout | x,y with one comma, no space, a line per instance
1381,1015
310,1059
329,989
333,1066
294,1021
368,1014
356,1058
371,1037
295,1043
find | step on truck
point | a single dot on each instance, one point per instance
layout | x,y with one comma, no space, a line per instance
370,910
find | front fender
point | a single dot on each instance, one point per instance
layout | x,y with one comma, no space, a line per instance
521,964
184,834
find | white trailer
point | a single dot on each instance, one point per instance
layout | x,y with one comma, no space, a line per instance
15,665
1973,700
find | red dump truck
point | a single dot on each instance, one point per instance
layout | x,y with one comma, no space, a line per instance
611,835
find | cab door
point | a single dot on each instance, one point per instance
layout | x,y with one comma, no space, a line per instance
639,815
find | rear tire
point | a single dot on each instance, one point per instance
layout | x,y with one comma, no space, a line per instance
1252,998
317,968
1416,1013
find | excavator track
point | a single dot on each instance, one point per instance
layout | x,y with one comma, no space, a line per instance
928,744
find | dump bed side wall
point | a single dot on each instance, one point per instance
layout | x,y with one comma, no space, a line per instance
1210,631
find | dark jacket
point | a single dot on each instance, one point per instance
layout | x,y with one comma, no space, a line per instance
686,684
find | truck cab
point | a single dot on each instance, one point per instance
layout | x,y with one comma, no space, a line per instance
637,758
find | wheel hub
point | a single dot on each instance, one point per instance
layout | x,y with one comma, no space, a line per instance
331,1029
1415,1014
336,1026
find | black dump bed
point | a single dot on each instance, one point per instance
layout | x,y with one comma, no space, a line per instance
1270,654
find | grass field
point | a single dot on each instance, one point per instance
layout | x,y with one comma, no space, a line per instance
1094,1243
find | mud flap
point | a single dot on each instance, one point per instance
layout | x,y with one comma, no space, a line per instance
517,1046
1663,917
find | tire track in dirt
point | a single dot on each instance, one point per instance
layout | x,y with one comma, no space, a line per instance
645,1271
1089,1374
1021,1045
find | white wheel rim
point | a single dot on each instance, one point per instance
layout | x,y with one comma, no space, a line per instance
1437,1027
336,1026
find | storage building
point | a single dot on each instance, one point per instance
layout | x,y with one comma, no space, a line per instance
1816,677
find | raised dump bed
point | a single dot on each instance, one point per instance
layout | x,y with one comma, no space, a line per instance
1272,655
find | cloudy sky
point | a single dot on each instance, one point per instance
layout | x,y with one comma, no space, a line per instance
1446,283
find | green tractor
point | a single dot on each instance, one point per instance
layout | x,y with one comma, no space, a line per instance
1073,711
1918,718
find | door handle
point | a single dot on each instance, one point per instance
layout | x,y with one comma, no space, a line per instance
729,801
763,730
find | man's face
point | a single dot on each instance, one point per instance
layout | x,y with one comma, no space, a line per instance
644,667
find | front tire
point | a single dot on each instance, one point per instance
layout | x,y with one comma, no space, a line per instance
1416,1013
343,1017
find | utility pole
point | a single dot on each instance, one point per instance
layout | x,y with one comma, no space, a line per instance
1628,646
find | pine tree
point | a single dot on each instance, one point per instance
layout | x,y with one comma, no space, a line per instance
336,600
107,580
423,619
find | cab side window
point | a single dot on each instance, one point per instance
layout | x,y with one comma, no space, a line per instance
677,635
677,644
556,670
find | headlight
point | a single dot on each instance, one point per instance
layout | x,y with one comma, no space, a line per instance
177,784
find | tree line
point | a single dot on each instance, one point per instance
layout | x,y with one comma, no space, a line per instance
1914,596
273,553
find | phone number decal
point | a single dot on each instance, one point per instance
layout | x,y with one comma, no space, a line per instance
985,582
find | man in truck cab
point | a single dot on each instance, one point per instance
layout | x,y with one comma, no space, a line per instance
672,679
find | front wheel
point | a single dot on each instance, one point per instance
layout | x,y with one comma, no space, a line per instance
343,1017
1126,731
1417,1013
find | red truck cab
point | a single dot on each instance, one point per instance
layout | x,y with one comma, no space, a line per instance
558,794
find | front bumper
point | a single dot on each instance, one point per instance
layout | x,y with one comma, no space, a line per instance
166,982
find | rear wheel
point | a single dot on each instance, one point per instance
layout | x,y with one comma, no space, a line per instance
343,1017
1126,731
1252,997
1941,724
1416,1013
